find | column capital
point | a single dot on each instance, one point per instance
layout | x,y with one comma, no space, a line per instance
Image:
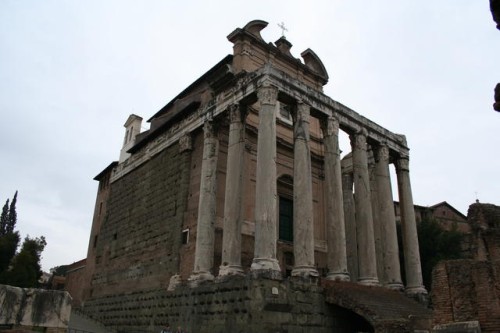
330,126
235,113
303,111
382,153
209,129
185,143
358,139
403,164
268,95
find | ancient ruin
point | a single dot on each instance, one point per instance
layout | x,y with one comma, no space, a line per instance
235,213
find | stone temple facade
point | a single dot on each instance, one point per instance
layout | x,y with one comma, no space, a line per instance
235,213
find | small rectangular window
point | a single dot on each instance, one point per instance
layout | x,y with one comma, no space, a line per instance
185,236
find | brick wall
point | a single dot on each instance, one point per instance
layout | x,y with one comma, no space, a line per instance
468,290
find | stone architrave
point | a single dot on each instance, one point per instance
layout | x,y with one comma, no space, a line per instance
350,226
205,230
233,207
303,226
265,262
389,238
335,225
413,269
364,218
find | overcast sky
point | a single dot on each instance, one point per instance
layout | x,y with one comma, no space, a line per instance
72,71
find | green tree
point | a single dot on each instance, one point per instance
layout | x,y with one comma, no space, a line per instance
12,218
26,270
9,239
437,244
22,269
4,218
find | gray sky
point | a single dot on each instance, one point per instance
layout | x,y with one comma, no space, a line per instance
72,71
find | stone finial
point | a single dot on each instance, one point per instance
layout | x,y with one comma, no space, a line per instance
254,27
284,46
496,105
312,61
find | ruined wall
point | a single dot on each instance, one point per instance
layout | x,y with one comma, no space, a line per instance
24,308
140,237
237,305
469,290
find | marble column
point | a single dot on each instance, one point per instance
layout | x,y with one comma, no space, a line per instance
205,229
364,218
265,262
389,237
376,218
335,225
414,283
350,226
303,226
233,201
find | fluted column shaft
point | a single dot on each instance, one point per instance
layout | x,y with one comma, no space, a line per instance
414,284
233,201
350,226
266,193
364,218
389,241
205,230
335,225
303,232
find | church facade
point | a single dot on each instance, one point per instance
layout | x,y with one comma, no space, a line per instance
238,184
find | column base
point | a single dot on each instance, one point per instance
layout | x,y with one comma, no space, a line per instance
395,286
338,276
198,278
267,268
410,291
419,294
305,272
230,270
175,281
368,281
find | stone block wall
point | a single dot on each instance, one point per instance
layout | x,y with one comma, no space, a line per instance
140,237
26,309
236,305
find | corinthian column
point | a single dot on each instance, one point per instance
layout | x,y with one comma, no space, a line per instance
390,252
335,225
303,234
265,262
364,218
233,207
205,229
414,284
350,226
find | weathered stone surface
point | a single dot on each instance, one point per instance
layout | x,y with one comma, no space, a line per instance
34,307
242,304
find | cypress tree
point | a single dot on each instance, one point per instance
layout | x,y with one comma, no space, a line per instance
4,218
12,220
